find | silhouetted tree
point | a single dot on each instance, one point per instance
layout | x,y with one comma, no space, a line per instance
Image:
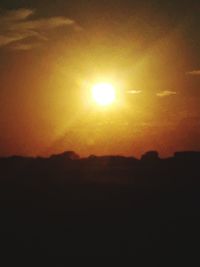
69,155
150,156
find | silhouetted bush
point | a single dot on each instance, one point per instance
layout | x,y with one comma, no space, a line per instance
150,156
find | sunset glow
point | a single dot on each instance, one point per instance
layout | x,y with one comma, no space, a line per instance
98,78
99,131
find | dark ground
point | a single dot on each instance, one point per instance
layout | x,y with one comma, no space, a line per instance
100,211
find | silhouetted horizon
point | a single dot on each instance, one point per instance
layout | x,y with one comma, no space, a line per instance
70,154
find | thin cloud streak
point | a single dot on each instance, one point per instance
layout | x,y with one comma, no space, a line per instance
24,47
193,72
134,92
16,15
166,93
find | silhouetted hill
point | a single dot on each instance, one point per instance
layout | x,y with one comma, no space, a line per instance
64,206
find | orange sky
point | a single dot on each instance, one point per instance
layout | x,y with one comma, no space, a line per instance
45,105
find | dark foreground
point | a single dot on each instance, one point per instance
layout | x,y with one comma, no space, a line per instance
100,211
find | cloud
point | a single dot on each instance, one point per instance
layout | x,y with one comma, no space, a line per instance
166,93
16,15
134,91
17,26
193,72
24,47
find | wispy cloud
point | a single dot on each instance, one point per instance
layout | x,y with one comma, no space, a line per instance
193,72
23,46
18,25
16,15
134,92
166,93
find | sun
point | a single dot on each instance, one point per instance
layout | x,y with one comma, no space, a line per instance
103,94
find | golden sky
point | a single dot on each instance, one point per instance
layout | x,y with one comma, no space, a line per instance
51,56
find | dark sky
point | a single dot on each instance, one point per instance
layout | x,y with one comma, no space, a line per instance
50,51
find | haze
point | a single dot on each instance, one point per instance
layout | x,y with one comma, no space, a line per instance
52,52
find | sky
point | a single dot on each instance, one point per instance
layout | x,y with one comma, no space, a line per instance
53,52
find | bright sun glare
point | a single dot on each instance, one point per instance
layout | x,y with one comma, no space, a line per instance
103,94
